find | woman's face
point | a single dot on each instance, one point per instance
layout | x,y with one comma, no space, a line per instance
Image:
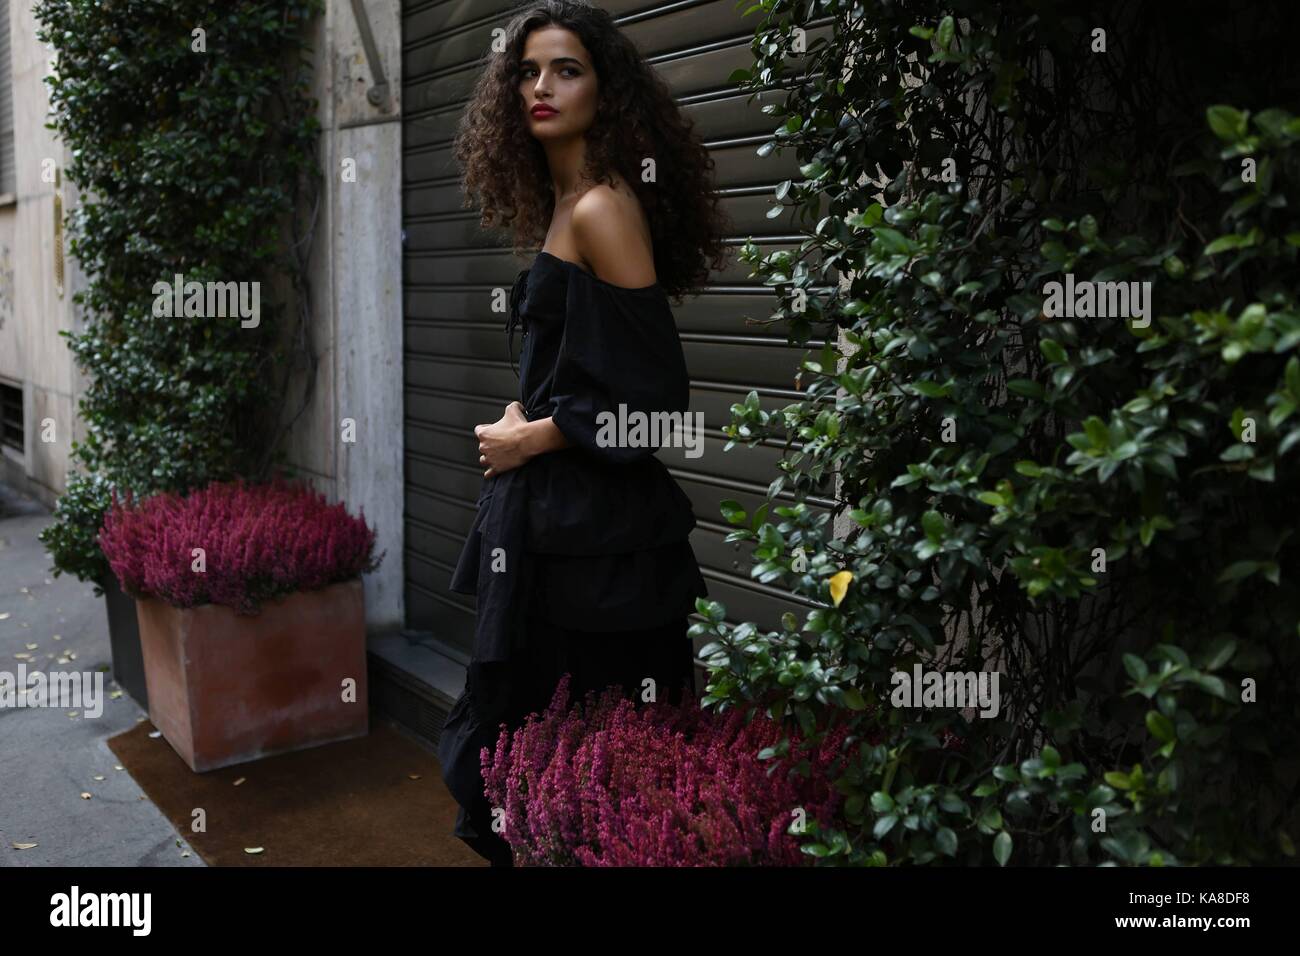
557,83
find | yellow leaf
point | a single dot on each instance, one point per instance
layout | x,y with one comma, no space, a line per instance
85,796
252,849
840,586
25,846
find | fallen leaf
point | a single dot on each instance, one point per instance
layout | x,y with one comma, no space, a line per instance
118,766
72,655
185,854
115,694
414,776
25,846
23,657
240,780
4,616
252,849
57,637
99,776
156,733
25,590
32,647
85,796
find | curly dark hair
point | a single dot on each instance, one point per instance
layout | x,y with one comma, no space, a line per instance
636,117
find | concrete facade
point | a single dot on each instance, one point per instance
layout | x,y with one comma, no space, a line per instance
33,356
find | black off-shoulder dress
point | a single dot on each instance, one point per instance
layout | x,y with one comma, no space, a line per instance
580,558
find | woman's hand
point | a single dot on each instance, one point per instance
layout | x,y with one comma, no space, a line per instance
502,445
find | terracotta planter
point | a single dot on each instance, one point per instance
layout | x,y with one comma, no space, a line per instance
226,689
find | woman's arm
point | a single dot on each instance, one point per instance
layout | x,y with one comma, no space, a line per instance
606,236
605,232
542,436
601,223
512,440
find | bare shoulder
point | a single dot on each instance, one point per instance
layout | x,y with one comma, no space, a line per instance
610,232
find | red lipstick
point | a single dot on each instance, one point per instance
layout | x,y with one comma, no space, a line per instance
542,111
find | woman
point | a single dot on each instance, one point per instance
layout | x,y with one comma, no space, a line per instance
579,554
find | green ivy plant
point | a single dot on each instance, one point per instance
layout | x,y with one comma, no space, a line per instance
1100,508
192,135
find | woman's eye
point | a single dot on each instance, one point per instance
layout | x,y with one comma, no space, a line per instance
528,72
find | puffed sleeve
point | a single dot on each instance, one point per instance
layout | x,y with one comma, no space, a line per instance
620,348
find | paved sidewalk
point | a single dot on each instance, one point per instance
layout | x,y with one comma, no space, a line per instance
47,758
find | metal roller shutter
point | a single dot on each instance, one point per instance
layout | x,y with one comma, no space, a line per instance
456,371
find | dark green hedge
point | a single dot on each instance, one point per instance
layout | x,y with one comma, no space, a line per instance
195,154
1102,512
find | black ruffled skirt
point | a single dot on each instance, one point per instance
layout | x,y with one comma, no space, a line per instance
507,691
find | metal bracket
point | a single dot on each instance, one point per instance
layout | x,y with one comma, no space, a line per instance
378,93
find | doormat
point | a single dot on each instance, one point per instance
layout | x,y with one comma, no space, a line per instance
350,803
